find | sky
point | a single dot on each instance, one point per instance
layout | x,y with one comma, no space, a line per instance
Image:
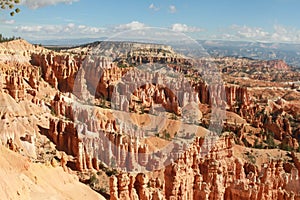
245,20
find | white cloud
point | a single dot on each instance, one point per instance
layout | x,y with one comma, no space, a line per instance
277,34
225,36
9,21
185,28
72,30
34,4
235,32
28,29
58,31
285,34
153,7
134,25
250,32
172,9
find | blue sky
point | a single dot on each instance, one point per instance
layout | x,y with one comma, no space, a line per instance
259,20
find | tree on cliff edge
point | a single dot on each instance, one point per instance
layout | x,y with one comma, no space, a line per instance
10,5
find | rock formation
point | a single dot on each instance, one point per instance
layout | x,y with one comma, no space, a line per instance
129,85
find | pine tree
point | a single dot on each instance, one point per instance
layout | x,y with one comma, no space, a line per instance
10,5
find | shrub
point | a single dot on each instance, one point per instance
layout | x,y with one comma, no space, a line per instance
174,116
111,172
93,180
251,158
286,147
270,142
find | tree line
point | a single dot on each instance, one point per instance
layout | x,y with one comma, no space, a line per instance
7,39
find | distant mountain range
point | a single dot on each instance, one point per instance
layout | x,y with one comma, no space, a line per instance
66,42
290,53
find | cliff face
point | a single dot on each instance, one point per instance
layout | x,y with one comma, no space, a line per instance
117,50
92,139
211,175
18,51
104,113
13,76
58,70
197,174
19,88
97,76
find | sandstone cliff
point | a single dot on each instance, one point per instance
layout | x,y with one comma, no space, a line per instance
104,113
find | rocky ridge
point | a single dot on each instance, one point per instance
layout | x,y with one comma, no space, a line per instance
92,136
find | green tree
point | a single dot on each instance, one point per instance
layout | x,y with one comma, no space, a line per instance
286,147
93,180
10,5
7,39
270,140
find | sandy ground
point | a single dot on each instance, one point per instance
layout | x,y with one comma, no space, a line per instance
261,155
21,179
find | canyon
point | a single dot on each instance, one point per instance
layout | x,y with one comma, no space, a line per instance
139,121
